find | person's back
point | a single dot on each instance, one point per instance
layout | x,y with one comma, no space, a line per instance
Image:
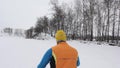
65,56
62,55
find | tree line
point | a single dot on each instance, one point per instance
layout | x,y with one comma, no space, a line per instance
12,32
85,20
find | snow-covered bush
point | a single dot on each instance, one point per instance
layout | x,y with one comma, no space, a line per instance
43,36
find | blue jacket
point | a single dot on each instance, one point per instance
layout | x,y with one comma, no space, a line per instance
47,58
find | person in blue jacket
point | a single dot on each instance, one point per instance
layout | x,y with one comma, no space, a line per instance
62,55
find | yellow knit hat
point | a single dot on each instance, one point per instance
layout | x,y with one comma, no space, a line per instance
60,35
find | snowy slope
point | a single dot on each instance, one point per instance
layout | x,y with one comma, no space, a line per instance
25,53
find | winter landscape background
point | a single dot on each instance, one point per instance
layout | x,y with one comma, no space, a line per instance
18,52
92,27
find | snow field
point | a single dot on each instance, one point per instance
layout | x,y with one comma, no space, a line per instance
26,53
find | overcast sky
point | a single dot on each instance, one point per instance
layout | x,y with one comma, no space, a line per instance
23,13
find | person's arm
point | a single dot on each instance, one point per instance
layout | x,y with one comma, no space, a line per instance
78,62
46,58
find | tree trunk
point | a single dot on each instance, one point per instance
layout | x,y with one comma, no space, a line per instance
113,29
108,25
118,36
91,18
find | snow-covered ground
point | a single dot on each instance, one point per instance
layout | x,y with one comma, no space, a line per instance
26,53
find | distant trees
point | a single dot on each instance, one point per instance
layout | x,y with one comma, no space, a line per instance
29,33
8,31
85,20
19,32
42,25
13,32
58,15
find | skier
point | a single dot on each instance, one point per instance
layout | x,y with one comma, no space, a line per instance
62,55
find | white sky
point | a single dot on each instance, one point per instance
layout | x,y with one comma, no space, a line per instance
23,13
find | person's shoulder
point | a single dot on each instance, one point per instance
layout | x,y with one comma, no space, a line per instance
49,50
53,47
73,48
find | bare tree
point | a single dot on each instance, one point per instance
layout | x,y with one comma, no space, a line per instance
84,25
114,22
58,14
108,6
78,17
118,31
92,4
99,23
70,18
